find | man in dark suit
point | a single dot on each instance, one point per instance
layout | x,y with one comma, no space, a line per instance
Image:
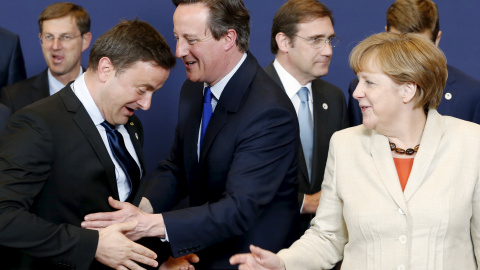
240,175
302,41
12,65
461,96
59,160
64,35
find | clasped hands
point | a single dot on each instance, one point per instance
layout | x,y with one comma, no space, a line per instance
118,230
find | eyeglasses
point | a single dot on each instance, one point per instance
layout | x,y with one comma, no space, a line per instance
320,42
64,39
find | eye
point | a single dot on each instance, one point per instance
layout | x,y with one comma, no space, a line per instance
369,82
49,37
192,41
66,37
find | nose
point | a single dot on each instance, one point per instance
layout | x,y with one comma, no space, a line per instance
327,50
358,93
145,101
56,44
181,49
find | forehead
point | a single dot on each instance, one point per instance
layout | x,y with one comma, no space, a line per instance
190,19
143,73
66,24
318,26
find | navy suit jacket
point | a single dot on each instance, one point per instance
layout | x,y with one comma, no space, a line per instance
55,169
12,65
243,189
461,98
330,115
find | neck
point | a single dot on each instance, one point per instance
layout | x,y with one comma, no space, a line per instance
234,57
408,132
283,59
68,77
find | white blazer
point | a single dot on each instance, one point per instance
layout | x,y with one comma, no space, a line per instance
366,219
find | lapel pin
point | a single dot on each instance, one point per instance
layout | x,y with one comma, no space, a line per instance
136,135
448,96
131,124
325,106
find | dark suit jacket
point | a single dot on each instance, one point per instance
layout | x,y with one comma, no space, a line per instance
326,122
55,169
12,66
4,114
26,92
464,102
243,190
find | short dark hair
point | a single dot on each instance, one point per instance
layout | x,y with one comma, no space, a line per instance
58,10
414,16
225,15
293,13
129,42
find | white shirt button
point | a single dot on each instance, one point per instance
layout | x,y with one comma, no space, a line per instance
402,239
401,267
400,211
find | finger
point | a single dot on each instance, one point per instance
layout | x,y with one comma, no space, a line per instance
145,259
239,258
139,249
101,216
121,267
193,258
116,204
96,225
132,265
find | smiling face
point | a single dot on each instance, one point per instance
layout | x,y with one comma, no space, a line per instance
128,91
63,57
379,97
202,55
308,63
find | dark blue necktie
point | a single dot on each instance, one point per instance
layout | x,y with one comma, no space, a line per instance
123,157
207,112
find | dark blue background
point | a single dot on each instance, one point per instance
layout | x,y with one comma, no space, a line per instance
354,20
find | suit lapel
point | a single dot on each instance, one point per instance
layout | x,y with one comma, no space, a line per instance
432,135
230,100
85,123
42,88
383,160
137,140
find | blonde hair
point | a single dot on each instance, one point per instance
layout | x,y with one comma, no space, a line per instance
405,58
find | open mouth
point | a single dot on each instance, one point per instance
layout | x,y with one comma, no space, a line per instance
57,59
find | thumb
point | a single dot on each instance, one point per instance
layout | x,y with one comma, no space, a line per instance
115,204
193,258
127,226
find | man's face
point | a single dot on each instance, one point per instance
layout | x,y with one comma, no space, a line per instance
203,56
306,62
130,90
63,57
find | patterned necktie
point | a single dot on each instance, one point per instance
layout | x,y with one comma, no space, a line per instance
306,128
123,157
207,112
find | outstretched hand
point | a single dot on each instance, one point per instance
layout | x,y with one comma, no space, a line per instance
259,259
149,225
182,263
115,250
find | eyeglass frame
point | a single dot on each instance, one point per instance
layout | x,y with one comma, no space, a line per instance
62,38
322,41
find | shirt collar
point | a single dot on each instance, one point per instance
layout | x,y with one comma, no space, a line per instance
217,89
80,89
54,84
290,84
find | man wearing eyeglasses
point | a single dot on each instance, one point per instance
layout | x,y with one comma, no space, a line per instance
64,35
302,41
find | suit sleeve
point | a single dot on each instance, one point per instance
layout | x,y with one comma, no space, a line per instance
26,158
266,148
16,67
321,247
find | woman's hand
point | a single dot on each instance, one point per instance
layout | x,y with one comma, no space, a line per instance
259,259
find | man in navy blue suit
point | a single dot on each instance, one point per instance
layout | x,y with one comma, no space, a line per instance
12,65
241,176
461,96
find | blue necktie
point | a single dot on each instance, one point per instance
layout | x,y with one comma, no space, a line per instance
123,157
306,128
207,112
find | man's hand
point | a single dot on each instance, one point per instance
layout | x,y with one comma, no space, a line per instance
310,204
149,225
117,251
182,263
259,259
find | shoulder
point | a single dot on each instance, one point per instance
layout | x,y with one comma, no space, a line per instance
25,85
460,78
326,88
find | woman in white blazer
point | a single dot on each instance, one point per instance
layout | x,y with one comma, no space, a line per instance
401,191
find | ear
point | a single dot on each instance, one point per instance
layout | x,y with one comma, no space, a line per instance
439,36
230,39
105,69
386,28
86,39
409,90
283,42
